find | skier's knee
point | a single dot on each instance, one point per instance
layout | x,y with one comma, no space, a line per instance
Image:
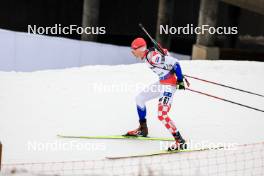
140,101
164,100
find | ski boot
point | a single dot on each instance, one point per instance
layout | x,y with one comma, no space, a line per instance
142,130
180,143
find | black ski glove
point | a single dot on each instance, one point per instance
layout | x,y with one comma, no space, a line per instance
180,85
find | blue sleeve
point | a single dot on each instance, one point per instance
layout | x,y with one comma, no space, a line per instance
178,72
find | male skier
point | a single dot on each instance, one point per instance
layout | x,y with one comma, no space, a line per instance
170,77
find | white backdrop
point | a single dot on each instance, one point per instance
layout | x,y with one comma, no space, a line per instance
27,52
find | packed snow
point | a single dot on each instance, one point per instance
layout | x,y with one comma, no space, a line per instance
36,106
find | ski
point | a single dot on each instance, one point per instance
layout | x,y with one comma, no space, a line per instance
163,152
119,137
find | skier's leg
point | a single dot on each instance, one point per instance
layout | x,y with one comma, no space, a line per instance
151,92
164,106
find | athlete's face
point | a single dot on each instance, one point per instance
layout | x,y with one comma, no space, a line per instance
138,53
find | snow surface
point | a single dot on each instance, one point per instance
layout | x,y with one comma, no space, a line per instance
36,106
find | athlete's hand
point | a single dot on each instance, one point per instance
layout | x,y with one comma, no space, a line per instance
180,85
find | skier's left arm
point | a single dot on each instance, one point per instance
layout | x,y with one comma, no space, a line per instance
178,71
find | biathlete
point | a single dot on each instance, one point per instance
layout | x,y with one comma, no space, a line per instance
171,78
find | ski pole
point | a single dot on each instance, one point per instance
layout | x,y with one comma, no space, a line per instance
211,82
219,98
162,52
